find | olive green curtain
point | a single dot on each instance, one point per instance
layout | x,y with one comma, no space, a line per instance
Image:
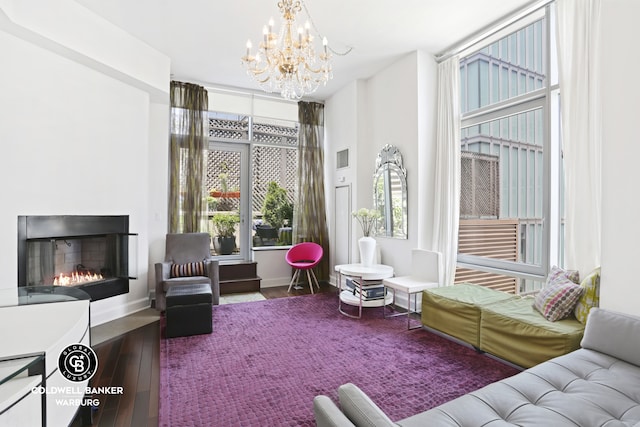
310,221
189,105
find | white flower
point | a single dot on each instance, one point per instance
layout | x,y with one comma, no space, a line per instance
367,219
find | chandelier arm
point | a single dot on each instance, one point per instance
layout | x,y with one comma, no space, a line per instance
258,73
257,70
318,70
266,79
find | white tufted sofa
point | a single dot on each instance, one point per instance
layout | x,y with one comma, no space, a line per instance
596,385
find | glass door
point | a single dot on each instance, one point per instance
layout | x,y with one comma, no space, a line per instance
227,185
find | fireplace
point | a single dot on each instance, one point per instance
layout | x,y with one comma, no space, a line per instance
87,252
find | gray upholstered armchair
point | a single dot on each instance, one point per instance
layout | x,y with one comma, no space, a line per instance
187,261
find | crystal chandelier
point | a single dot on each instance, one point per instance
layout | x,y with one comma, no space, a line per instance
288,63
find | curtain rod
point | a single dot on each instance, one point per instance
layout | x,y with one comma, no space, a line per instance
491,29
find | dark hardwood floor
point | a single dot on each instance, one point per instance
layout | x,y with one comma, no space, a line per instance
281,291
132,361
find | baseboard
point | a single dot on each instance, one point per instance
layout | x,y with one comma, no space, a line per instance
275,282
104,316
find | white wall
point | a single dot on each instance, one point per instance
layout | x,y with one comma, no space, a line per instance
341,132
395,106
157,186
271,266
620,289
77,141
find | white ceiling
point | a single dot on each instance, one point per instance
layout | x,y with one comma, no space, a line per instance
206,38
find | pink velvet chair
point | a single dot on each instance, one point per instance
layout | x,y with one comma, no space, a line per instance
304,256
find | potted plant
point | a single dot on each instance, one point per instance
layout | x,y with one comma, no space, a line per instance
212,204
225,192
224,225
276,210
285,234
225,195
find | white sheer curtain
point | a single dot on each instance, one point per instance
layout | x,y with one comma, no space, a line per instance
447,191
578,34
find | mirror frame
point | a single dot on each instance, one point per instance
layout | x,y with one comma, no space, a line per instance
388,163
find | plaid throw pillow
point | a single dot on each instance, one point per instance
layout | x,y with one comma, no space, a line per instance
558,299
188,270
590,297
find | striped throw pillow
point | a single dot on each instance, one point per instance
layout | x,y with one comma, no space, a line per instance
188,270
557,300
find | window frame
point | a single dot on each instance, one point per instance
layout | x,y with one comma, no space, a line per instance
551,197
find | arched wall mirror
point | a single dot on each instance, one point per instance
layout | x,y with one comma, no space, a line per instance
390,193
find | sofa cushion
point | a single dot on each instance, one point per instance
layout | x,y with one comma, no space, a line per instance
455,310
590,297
613,333
463,411
583,388
558,299
189,269
515,331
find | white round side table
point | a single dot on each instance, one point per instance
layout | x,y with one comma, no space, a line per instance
375,272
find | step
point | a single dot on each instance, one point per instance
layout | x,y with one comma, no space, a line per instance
238,270
236,286
237,277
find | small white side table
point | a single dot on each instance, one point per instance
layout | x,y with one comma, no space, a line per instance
373,272
412,287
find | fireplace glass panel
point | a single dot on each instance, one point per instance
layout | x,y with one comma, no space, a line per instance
76,261
95,253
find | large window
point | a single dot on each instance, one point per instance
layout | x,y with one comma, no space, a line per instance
255,201
509,170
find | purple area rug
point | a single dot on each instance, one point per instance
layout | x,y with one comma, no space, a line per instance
265,361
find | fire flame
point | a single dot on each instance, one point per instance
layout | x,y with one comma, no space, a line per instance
75,279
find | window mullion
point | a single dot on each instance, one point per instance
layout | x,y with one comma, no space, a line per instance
510,107
514,240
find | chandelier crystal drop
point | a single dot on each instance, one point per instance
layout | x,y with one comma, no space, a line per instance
287,62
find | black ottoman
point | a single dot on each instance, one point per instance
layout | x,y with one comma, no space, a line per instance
188,310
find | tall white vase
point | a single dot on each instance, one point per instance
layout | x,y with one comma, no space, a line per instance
367,247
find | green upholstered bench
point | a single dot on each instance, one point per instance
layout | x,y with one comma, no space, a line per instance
498,323
515,331
455,310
